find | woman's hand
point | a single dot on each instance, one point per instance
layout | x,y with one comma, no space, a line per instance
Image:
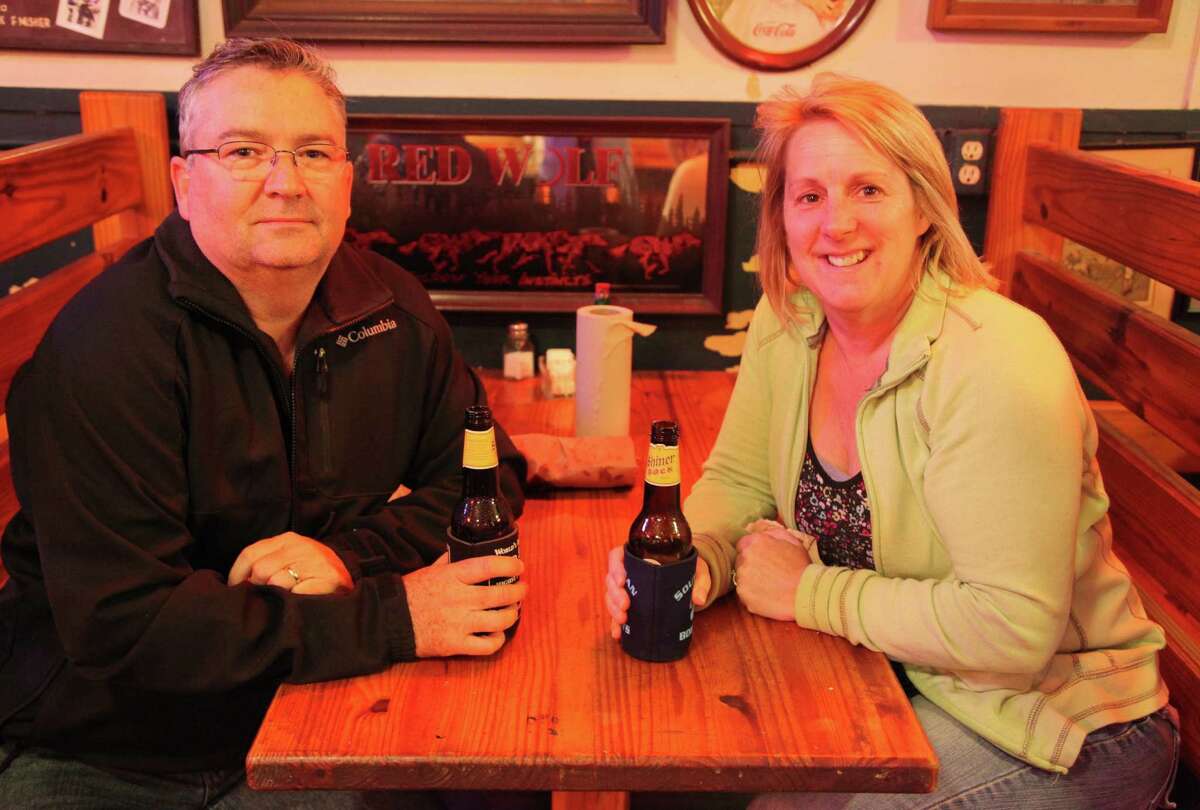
292,562
616,598
767,571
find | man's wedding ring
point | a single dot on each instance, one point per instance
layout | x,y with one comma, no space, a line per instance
292,573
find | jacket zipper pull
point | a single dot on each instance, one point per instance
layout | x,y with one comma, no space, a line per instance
322,371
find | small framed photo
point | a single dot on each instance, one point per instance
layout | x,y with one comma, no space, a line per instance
114,26
535,21
529,214
1061,16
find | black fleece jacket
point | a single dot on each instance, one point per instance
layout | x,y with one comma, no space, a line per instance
154,435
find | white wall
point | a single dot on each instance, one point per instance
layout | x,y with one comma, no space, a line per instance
1157,71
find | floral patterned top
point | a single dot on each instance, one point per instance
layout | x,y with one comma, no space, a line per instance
836,513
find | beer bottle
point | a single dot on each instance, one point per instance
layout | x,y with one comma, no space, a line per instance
659,533
483,513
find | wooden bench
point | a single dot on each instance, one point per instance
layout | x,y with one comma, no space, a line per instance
113,177
1044,189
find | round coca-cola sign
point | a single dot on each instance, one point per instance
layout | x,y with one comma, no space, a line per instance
778,34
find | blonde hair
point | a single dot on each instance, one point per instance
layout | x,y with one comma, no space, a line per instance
895,128
272,53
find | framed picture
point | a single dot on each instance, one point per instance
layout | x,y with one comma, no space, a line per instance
778,34
1138,288
535,21
529,214
1111,16
117,26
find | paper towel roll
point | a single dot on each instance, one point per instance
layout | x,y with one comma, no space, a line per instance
603,366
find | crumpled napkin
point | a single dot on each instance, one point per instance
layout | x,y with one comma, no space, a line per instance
578,462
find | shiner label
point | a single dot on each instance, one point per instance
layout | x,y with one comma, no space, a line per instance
479,449
662,465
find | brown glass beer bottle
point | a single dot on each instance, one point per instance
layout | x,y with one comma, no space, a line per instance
660,534
482,523
482,513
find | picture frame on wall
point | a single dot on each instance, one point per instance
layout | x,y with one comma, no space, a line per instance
778,34
479,21
113,26
528,214
1062,16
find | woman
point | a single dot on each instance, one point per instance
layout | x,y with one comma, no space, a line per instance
926,445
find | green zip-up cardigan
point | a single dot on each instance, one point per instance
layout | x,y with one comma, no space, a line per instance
995,583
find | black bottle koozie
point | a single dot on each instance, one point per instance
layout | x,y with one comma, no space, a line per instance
659,626
504,546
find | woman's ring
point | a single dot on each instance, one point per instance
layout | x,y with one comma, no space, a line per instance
292,573
735,577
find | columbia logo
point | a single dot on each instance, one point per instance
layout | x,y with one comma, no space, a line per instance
355,335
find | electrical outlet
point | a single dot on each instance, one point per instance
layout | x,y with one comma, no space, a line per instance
969,174
968,152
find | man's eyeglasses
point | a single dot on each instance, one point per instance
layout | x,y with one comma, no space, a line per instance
250,160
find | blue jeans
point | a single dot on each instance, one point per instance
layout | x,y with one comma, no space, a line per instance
36,779
1130,766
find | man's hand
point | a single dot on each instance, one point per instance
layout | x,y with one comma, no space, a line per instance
449,607
293,562
616,598
768,569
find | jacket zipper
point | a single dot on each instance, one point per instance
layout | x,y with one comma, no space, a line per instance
290,386
875,392
323,398
292,453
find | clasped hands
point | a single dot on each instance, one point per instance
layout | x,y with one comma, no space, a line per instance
292,562
452,612
770,561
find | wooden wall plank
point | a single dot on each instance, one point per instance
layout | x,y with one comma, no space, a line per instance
1144,361
1007,232
1120,211
1149,439
52,189
1156,523
1157,509
146,114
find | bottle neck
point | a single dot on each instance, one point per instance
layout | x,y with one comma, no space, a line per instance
481,483
657,499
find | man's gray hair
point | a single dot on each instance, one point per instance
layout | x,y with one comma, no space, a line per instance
271,54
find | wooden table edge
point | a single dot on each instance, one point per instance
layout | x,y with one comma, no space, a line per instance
896,775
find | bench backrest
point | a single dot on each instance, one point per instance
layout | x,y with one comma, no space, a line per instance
1044,189
113,177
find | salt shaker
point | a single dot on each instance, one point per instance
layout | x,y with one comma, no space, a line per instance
518,352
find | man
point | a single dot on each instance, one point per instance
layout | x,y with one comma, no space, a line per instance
205,447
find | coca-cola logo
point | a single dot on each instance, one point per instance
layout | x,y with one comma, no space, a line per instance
774,29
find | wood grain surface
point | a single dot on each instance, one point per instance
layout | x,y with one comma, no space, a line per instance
146,113
51,189
1146,362
1007,231
1117,210
1156,519
757,705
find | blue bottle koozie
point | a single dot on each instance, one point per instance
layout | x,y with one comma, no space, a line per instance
659,624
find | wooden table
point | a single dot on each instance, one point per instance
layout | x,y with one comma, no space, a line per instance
757,705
